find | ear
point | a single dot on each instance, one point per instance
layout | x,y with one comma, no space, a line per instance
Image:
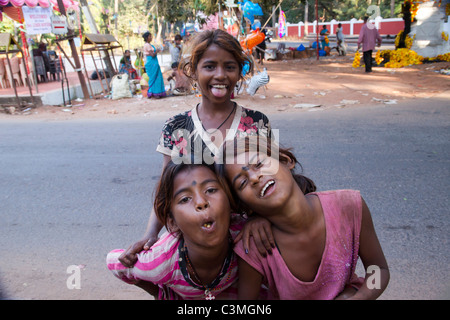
172,225
287,161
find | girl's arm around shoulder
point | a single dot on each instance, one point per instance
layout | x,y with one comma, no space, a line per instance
261,230
372,256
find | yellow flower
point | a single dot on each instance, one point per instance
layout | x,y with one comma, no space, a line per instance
408,40
444,36
378,58
397,39
357,61
444,57
403,57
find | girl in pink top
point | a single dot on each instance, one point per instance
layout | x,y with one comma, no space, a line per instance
318,235
195,259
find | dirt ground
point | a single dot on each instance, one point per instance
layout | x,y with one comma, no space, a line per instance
331,82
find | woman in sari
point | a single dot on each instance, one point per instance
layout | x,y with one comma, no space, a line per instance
156,82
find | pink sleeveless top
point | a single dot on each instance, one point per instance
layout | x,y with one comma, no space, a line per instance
342,210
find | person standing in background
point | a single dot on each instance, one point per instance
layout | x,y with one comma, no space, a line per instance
156,87
175,49
340,45
367,38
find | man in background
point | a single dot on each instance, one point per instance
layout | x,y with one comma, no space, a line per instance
367,38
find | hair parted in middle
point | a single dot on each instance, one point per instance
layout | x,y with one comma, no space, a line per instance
201,42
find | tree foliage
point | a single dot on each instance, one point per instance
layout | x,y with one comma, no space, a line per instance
340,10
135,15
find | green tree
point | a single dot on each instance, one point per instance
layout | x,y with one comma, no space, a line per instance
331,9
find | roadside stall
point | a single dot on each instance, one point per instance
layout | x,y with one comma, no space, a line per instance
11,65
103,45
36,17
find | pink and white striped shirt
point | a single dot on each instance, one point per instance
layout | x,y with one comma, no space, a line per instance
164,266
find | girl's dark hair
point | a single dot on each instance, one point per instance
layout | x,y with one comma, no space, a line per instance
201,42
233,148
165,189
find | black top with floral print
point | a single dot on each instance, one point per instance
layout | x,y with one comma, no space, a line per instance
183,135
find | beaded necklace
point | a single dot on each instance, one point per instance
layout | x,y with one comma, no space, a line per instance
186,266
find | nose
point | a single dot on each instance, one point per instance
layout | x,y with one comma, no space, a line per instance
254,176
220,72
201,203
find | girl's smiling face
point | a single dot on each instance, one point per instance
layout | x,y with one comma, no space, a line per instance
200,207
262,182
217,74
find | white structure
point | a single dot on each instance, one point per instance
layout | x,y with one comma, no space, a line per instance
428,41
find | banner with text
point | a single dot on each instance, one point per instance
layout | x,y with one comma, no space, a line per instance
37,19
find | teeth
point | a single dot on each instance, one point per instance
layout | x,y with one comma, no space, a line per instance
207,224
219,86
268,184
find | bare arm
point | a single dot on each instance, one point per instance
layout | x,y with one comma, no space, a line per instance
250,281
373,259
129,256
154,226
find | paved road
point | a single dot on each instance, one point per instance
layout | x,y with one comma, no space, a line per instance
70,191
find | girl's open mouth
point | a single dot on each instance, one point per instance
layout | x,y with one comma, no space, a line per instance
219,90
208,225
267,189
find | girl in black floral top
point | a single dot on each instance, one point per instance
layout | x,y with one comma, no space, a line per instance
183,135
215,65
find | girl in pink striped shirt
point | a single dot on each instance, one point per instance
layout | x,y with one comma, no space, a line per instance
195,259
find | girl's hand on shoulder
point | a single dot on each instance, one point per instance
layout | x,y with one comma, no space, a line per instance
129,257
261,230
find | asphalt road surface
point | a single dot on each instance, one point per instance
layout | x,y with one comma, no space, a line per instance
70,191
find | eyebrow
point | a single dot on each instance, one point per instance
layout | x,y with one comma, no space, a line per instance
187,188
245,168
215,61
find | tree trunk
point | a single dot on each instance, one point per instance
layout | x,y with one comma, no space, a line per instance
392,8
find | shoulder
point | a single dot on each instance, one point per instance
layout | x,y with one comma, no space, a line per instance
253,113
254,122
149,46
343,195
344,204
255,116
179,121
